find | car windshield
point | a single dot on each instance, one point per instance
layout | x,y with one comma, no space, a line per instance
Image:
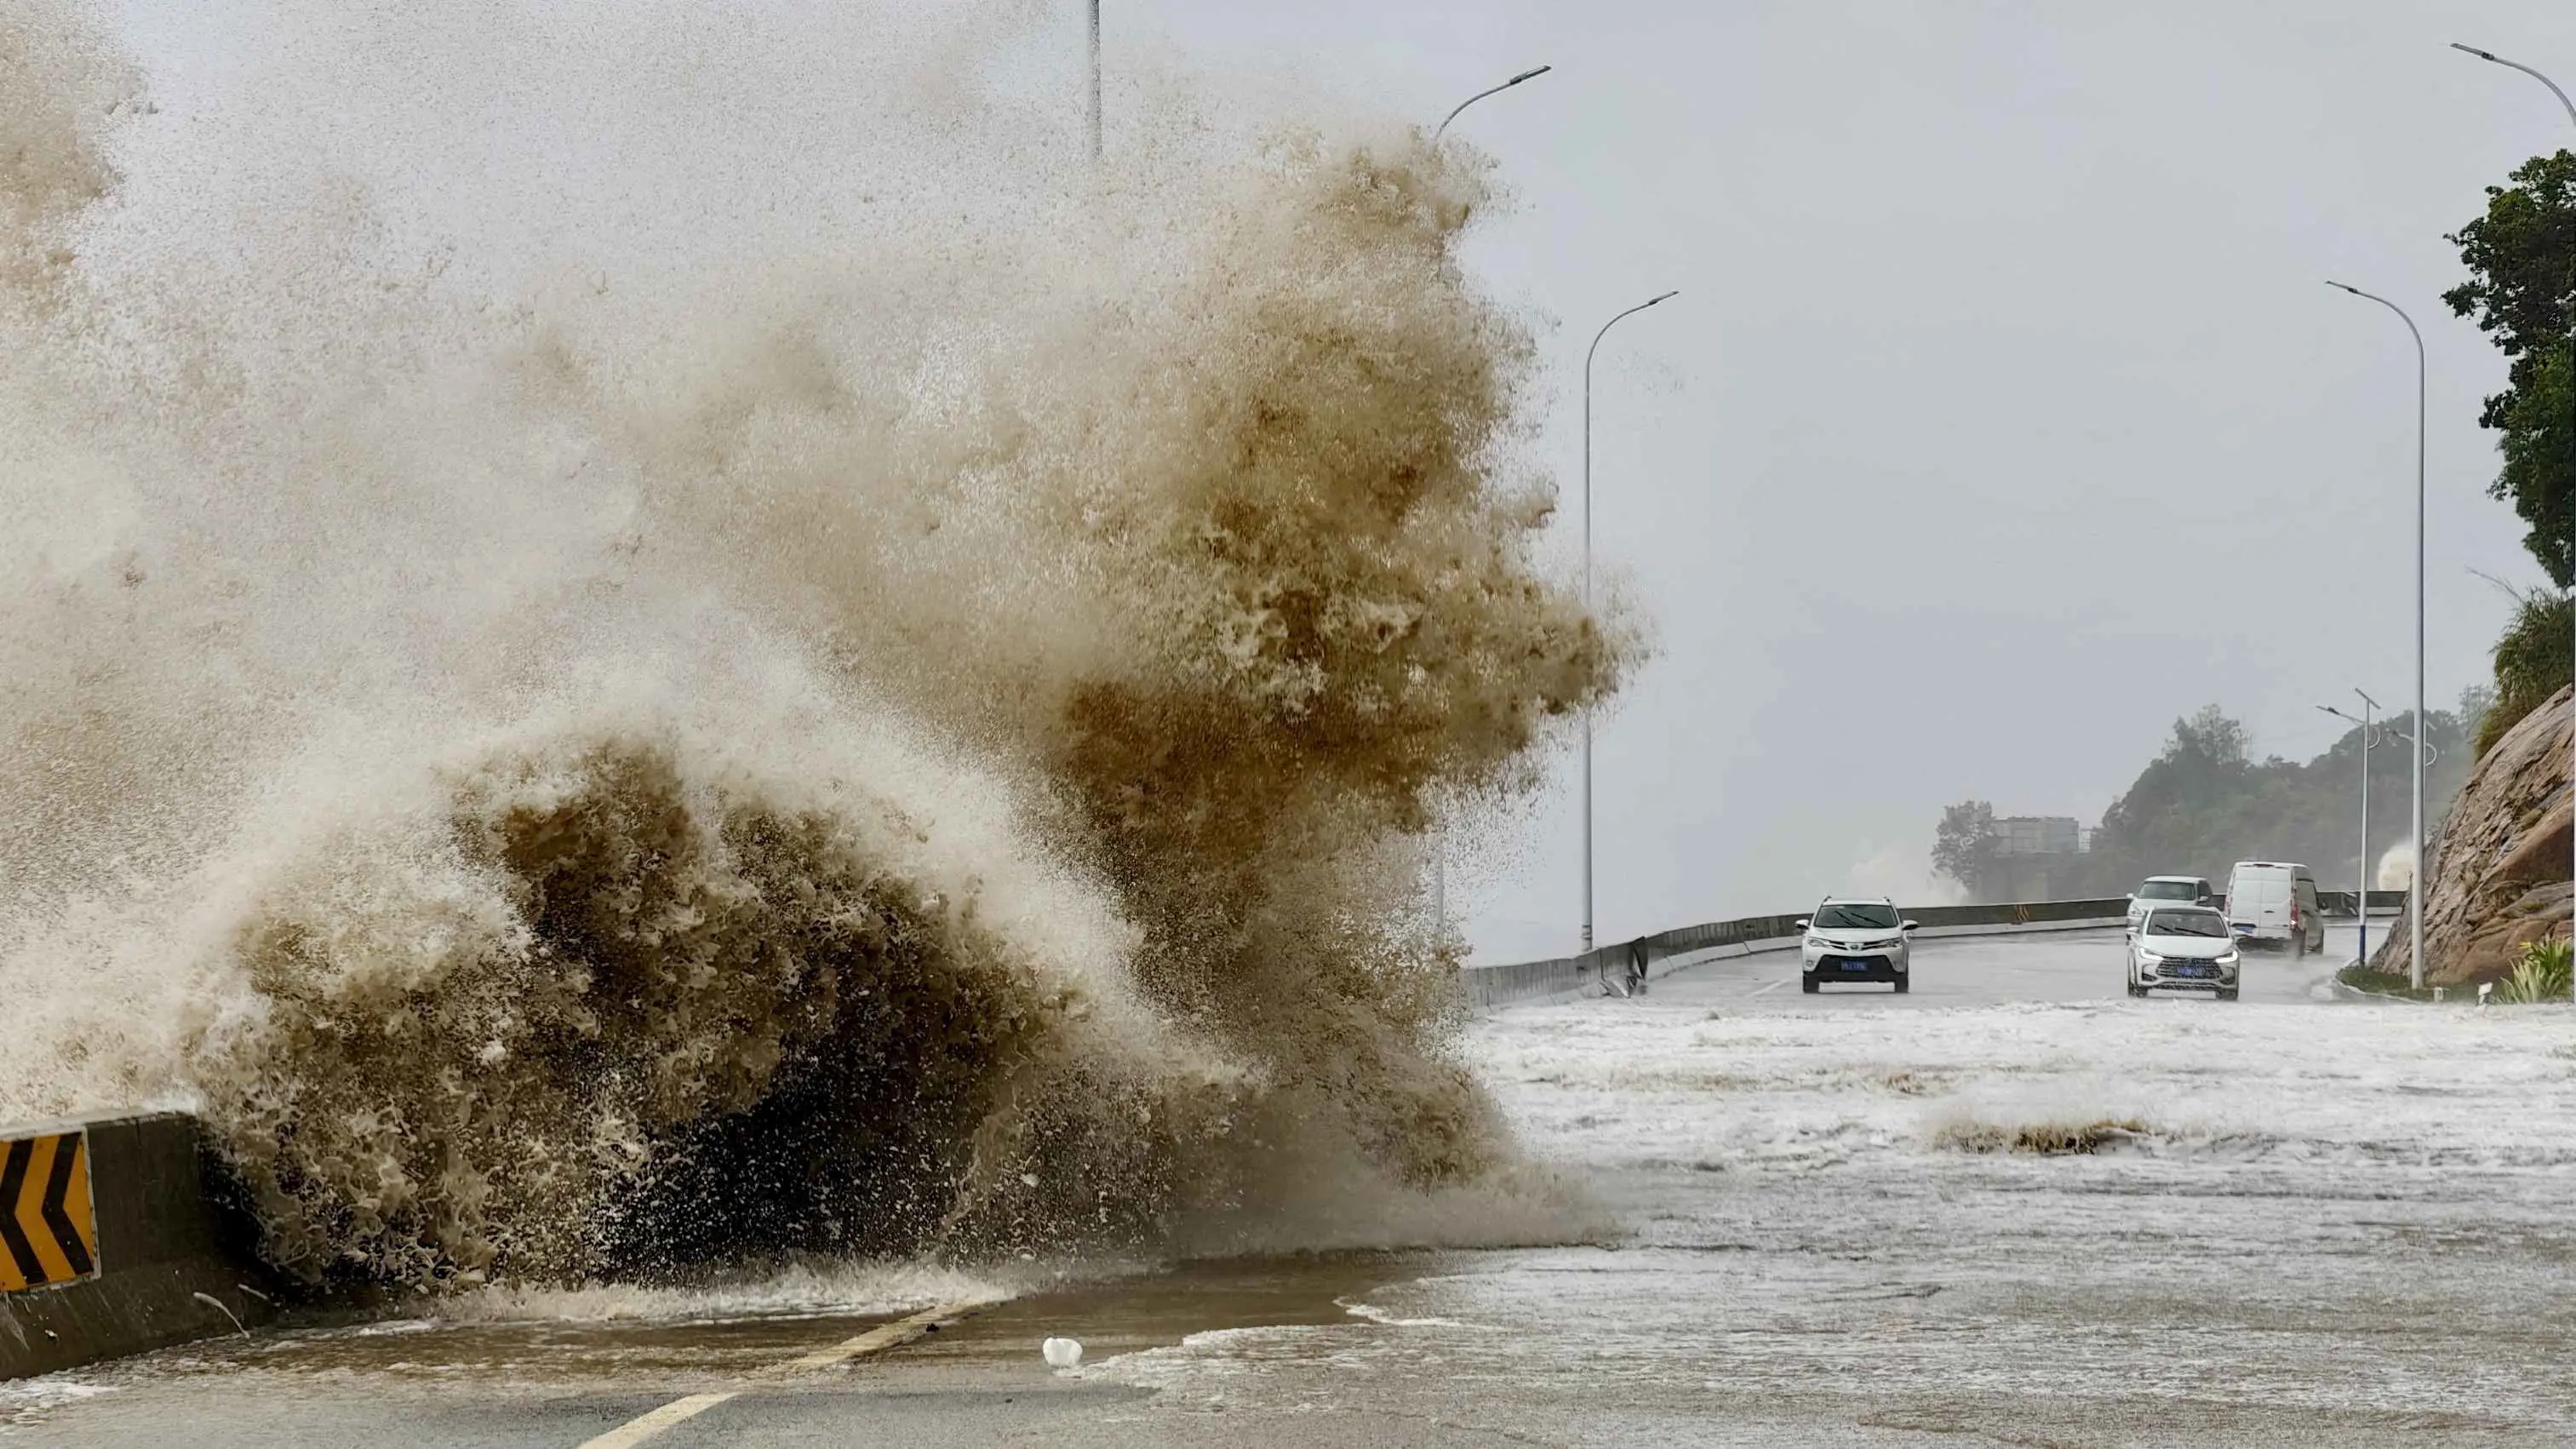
1855,918
2186,923
2168,890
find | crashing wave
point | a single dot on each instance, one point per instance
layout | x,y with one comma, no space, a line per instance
867,739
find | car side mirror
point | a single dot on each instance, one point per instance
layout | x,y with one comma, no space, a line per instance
1805,921
1910,925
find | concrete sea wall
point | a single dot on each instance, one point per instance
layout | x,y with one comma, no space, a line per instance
117,1241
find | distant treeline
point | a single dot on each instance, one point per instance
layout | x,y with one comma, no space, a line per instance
2203,804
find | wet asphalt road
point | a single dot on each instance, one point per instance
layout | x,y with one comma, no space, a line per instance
1838,1219
2042,966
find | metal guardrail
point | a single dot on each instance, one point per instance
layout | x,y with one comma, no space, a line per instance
2339,903
1488,986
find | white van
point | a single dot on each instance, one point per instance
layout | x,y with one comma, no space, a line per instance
2271,901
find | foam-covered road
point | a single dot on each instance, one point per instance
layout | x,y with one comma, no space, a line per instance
2012,1207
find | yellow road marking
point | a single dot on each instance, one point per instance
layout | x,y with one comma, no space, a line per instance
876,1340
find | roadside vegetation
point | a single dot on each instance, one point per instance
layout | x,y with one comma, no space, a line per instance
2541,974
2360,977
2531,662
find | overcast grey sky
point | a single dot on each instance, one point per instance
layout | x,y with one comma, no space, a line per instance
2004,416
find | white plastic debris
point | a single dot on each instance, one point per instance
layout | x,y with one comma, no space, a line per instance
1061,1353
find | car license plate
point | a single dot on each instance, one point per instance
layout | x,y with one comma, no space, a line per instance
2191,971
1855,965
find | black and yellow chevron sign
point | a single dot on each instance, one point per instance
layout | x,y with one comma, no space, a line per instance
48,1234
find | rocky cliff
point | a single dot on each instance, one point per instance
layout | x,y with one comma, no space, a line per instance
2500,862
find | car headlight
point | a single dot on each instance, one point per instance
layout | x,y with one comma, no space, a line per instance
2230,959
2150,958
1818,941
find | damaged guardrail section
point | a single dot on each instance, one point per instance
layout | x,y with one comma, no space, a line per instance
114,1239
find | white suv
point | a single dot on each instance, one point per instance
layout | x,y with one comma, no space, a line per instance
2169,890
1854,940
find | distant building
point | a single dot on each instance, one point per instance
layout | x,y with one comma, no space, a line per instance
2036,857
2038,835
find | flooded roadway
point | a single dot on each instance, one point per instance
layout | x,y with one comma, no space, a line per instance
1847,1219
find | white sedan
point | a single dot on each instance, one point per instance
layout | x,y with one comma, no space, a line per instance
2185,948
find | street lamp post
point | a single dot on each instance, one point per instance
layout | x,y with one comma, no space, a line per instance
1587,593
2361,892
2423,867
2494,59
1443,127
1439,850
1095,80
2426,757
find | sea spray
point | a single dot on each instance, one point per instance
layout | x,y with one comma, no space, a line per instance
883,739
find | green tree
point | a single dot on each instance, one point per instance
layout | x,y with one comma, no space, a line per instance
1964,847
2521,257
2186,801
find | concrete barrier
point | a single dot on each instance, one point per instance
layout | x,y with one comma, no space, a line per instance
1486,987
140,1199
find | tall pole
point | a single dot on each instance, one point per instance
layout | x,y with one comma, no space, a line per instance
1095,80
2423,866
2361,906
2361,894
1587,593
1439,845
2426,756
2555,90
